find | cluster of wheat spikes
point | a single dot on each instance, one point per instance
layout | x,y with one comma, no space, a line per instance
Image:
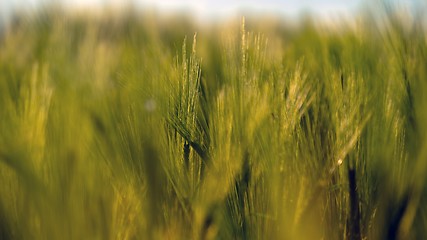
110,130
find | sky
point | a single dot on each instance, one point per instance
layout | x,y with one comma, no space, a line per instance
202,8
210,8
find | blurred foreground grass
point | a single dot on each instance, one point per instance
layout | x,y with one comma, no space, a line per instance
127,127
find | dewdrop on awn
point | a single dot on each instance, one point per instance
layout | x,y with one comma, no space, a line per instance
339,163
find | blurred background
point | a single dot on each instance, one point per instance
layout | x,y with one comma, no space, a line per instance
210,9
226,119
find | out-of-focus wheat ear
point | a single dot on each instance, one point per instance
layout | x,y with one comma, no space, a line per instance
155,187
395,215
241,186
5,226
354,219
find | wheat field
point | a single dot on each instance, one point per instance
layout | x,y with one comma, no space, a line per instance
131,126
